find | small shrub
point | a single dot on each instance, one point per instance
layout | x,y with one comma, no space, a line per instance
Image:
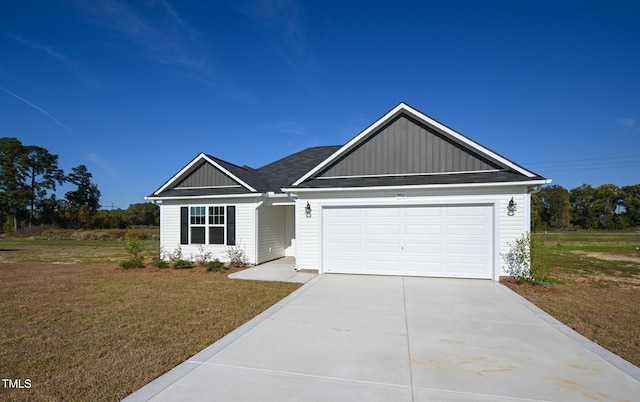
521,263
176,255
135,249
203,256
158,262
215,265
181,264
236,256
128,264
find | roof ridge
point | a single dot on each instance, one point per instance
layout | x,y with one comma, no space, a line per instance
246,167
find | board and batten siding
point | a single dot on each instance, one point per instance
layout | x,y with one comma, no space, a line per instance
407,147
206,175
507,228
170,224
271,232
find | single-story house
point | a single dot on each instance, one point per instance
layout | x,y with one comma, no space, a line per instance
406,196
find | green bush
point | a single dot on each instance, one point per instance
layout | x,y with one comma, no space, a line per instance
522,264
159,262
181,264
132,263
135,249
215,265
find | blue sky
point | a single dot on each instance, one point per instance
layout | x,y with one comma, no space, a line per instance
135,90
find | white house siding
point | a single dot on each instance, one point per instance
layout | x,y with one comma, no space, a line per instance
507,228
245,232
513,227
271,232
289,231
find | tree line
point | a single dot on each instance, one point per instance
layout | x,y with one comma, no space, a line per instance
604,207
29,176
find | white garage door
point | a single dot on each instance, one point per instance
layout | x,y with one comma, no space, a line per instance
446,241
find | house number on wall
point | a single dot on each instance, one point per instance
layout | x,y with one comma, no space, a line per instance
401,195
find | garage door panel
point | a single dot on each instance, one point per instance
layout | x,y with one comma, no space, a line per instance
420,212
426,250
466,249
382,230
344,230
346,247
448,241
386,212
466,230
423,229
382,248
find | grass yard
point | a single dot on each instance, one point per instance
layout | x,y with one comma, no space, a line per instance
81,328
600,293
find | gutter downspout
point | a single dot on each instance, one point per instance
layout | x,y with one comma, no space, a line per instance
531,190
536,189
256,230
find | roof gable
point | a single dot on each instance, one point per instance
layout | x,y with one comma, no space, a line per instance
404,146
206,175
407,142
205,172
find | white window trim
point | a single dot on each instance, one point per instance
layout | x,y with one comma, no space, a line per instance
206,225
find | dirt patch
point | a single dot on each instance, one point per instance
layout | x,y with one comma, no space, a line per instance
606,256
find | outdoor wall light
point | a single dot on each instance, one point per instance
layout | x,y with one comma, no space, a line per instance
307,210
511,208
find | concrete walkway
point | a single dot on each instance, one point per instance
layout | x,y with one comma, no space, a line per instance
373,338
280,270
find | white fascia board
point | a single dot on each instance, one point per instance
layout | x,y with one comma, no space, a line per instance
195,160
467,141
429,121
201,197
419,187
225,171
180,173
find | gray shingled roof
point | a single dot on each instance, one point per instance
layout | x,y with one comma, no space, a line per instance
270,177
286,171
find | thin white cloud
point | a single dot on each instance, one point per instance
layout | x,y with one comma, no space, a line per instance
289,127
62,58
38,108
280,16
284,25
103,163
627,122
166,39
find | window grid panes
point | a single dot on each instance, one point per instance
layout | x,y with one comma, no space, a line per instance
216,215
198,215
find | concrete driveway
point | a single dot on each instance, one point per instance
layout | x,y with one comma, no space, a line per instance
373,338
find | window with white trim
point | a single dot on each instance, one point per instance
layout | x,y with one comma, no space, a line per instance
216,225
208,225
197,220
